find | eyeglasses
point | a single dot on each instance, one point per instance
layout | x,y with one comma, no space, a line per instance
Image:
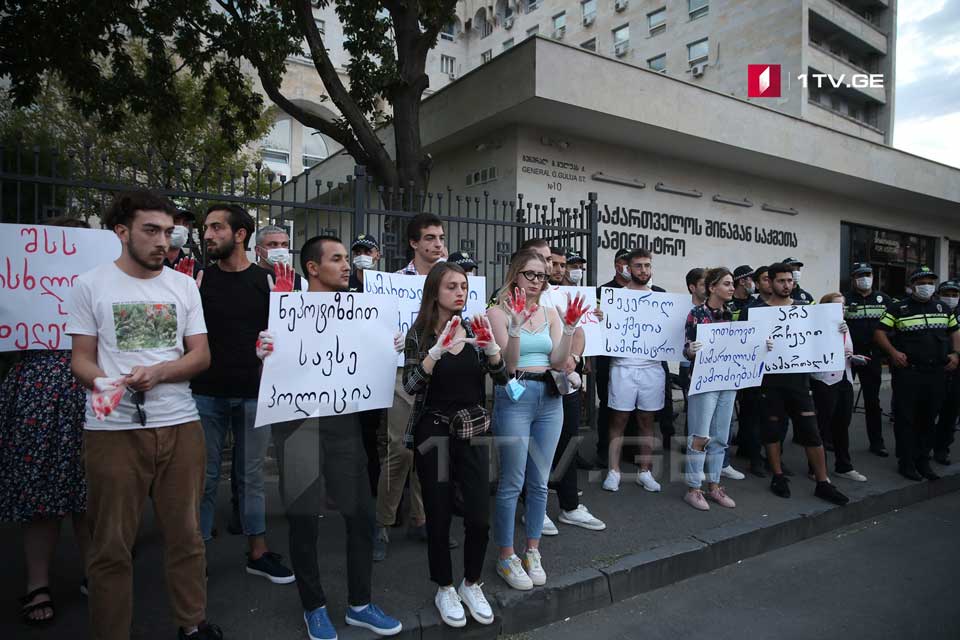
534,276
138,401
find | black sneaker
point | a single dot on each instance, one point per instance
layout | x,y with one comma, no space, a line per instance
909,472
780,485
204,631
826,491
268,566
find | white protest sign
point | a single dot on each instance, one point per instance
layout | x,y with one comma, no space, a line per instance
644,324
408,291
329,357
731,357
556,296
806,338
38,266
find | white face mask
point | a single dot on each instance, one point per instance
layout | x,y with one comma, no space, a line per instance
924,291
796,277
750,288
179,236
625,272
575,275
864,283
363,262
950,301
280,255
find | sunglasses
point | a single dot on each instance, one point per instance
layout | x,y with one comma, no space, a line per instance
534,276
138,401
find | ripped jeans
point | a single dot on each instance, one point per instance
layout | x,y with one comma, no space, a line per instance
708,416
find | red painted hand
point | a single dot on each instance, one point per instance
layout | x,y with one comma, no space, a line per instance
284,278
481,330
575,310
107,393
186,266
450,333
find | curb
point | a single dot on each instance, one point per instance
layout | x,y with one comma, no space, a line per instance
595,588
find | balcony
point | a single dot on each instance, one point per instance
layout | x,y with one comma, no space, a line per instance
821,60
836,20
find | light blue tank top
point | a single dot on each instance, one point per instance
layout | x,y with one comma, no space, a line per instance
535,348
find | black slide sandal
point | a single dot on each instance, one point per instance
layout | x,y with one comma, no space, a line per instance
27,609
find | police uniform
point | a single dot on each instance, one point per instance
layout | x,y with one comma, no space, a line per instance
862,314
943,437
923,332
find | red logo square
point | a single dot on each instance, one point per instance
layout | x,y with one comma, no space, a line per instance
763,80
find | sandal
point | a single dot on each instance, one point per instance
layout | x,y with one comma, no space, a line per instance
27,609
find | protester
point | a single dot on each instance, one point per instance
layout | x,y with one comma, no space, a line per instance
236,306
340,469
709,414
621,277
558,266
183,221
748,400
425,238
695,288
833,399
949,294
465,261
272,246
138,337
636,384
743,291
527,411
798,292
576,269
920,336
764,286
364,256
447,359
784,395
863,310
41,462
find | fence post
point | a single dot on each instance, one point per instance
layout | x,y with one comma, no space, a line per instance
359,201
593,256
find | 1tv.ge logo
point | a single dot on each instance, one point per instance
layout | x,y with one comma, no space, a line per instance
763,80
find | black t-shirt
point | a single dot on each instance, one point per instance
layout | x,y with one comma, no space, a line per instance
792,380
236,307
456,382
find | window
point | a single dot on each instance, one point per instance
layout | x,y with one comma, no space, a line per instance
507,44
486,56
532,5
449,32
698,8
589,9
698,51
559,24
590,45
621,34
658,63
657,21
448,65
314,147
533,31
275,148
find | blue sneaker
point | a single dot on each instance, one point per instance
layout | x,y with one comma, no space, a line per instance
375,620
319,626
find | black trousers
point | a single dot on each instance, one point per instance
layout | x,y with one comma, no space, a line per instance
369,426
326,452
444,466
834,403
749,421
602,366
919,396
869,376
563,473
943,437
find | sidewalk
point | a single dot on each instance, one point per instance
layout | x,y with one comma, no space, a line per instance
651,540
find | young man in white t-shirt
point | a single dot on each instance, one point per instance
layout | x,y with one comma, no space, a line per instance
139,337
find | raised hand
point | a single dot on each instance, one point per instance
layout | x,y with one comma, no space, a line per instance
517,312
447,340
571,317
186,267
483,335
284,278
107,393
264,344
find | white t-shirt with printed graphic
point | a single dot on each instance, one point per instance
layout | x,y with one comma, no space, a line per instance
138,322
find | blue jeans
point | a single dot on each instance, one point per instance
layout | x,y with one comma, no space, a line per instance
219,415
708,416
527,432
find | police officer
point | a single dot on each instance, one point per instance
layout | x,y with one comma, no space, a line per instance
743,292
948,293
798,292
865,307
364,256
464,260
920,336
576,269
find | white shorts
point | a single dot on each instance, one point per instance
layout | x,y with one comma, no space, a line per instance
640,387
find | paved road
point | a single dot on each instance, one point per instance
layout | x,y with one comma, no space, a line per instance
890,578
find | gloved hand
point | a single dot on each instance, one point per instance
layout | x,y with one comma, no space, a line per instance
483,335
517,312
284,278
447,339
107,393
571,317
264,344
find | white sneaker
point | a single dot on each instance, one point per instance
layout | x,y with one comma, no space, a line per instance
448,604
645,480
853,474
612,481
580,517
511,570
476,602
729,472
531,562
549,529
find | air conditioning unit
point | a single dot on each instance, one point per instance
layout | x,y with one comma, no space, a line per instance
621,5
620,49
698,69
588,19
508,23
452,75
559,32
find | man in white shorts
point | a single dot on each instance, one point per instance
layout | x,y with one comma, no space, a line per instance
636,384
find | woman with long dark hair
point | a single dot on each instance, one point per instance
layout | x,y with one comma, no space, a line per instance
528,411
446,361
